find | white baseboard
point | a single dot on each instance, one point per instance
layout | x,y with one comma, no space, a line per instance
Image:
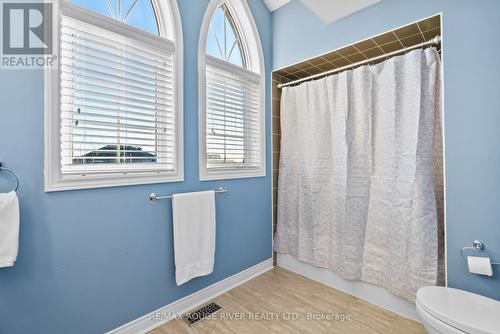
369,292
157,318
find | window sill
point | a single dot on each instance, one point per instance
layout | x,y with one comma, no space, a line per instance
212,175
68,182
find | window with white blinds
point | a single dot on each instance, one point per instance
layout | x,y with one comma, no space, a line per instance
118,118
117,107
233,129
231,93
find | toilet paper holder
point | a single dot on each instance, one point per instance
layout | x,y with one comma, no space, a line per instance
477,246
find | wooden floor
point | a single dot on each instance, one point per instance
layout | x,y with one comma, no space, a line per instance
280,301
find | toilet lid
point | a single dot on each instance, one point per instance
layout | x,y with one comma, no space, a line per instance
466,311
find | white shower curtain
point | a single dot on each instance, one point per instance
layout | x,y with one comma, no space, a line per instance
360,178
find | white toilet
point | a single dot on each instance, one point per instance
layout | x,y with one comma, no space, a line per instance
446,310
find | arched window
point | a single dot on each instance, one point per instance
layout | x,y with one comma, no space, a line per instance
231,67
116,99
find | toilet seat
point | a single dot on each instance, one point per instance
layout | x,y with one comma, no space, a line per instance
460,310
437,326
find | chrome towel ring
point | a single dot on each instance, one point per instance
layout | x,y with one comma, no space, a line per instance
12,173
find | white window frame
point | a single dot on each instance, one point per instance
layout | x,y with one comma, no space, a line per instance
254,57
169,27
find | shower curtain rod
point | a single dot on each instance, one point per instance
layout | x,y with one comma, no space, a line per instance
435,40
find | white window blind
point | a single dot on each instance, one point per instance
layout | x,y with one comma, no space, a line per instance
117,100
233,117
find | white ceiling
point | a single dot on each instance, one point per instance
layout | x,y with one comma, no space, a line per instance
275,4
328,10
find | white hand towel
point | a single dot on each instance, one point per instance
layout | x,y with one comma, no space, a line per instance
9,228
194,234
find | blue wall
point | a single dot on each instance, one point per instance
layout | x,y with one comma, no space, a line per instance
92,260
472,106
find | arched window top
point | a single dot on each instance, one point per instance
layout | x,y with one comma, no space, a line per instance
229,33
159,17
223,40
138,13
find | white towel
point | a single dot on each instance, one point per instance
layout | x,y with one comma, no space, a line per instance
194,234
9,228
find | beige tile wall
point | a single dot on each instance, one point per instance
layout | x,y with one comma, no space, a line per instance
276,130
397,39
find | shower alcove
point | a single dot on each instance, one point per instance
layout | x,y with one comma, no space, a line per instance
392,42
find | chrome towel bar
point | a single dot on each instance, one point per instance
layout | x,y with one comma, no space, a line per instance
153,197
